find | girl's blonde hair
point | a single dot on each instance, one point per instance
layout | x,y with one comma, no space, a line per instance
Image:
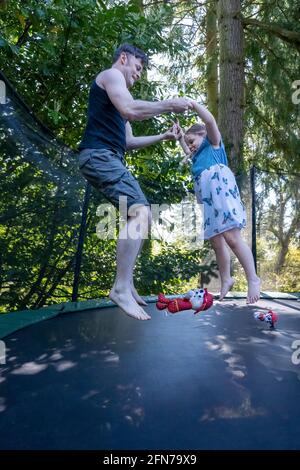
197,129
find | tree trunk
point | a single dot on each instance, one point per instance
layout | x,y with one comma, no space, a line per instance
284,248
231,102
212,59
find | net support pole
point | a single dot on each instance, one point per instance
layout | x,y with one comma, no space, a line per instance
79,251
253,215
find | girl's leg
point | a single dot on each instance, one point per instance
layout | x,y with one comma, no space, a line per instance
243,253
223,260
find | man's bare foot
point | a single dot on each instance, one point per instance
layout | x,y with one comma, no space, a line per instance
128,304
137,297
225,287
253,290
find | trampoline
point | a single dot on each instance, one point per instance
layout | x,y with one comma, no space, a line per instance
100,380
97,379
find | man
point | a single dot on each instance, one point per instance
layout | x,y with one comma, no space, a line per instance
107,135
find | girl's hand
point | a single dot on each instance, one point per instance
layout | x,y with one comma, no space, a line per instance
179,130
173,133
185,160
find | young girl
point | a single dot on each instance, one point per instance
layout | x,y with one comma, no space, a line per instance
216,188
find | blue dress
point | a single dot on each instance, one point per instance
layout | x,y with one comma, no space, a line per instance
216,188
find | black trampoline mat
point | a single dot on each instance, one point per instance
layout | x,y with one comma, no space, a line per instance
101,380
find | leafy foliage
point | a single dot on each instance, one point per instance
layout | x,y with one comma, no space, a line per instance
51,50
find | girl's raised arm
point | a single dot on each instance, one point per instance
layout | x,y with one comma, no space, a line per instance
212,129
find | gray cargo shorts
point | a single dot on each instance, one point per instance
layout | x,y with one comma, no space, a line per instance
107,172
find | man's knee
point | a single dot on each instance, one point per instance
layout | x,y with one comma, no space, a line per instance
141,212
149,215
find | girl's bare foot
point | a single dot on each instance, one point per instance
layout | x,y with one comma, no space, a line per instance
226,286
253,290
127,303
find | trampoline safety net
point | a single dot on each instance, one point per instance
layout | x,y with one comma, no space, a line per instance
42,199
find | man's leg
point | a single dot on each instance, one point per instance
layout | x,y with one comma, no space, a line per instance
223,260
107,173
243,253
129,244
135,293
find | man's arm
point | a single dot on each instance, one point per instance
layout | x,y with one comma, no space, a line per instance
212,129
133,142
114,84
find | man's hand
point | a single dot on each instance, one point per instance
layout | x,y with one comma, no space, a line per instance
180,105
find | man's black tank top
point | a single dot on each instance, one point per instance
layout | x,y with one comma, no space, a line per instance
105,127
